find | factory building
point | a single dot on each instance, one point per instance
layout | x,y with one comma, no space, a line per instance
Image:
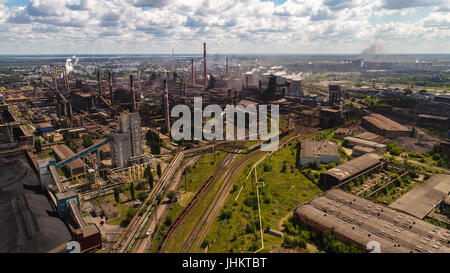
127,140
385,127
424,198
82,101
442,147
351,169
296,88
377,147
330,118
358,221
63,152
335,94
431,120
318,152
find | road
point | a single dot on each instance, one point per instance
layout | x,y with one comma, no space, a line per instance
133,229
160,211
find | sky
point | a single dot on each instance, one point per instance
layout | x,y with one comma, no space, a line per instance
227,26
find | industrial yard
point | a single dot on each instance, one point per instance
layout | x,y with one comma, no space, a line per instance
90,153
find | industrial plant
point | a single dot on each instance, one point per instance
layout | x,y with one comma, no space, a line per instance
287,153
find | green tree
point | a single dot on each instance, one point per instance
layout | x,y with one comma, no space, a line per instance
37,145
171,196
158,170
155,148
150,180
186,171
116,195
132,190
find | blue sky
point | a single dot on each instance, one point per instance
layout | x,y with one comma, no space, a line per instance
228,26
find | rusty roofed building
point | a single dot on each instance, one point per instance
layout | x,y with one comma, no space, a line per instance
352,169
385,127
358,221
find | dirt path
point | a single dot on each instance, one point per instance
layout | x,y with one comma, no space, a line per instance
280,225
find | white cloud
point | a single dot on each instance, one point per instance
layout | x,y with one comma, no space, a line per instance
246,26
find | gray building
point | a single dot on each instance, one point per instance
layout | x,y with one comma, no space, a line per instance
352,169
317,152
127,140
360,222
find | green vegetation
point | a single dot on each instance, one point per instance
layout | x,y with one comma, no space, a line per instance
437,81
158,170
394,149
37,145
300,234
153,141
237,226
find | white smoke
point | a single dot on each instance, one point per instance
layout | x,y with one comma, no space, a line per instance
70,63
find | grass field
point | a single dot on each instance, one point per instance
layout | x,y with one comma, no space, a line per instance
280,193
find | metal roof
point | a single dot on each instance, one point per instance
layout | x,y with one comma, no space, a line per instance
424,198
361,221
354,166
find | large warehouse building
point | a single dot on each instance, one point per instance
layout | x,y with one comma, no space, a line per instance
424,198
351,169
385,127
317,152
360,222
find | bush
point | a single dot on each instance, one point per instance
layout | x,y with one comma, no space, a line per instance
168,220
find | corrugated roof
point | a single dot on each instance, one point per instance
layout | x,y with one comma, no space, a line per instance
362,221
424,198
314,148
354,166
384,123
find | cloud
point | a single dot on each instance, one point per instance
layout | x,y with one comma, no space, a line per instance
404,4
150,3
239,26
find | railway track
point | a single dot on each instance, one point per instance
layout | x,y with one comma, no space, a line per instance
133,229
188,217
199,231
202,225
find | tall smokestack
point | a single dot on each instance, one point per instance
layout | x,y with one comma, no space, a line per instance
66,82
204,66
166,106
192,72
235,98
226,67
55,84
133,95
99,80
111,92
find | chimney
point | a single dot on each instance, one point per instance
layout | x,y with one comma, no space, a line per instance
66,87
204,66
259,86
99,82
235,98
246,84
133,95
192,72
166,106
111,92
55,84
181,88
229,93
70,110
226,67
